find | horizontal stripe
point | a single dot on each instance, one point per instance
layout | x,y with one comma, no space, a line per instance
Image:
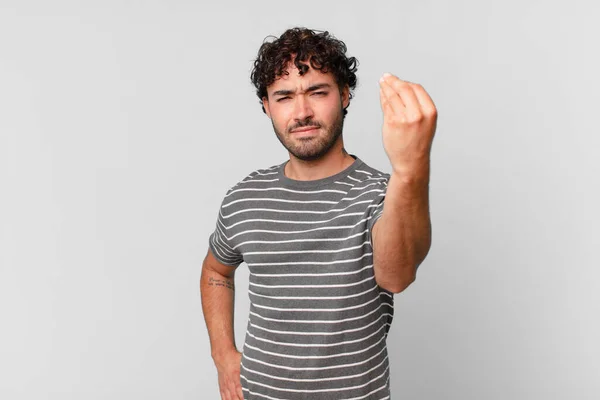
319,274
279,398
312,262
283,190
303,357
320,390
364,187
321,333
311,286
258,394
350,296
281,201
308,240
344,183
307,251
283,221
316,368
296,211
314,309
301,201
343,343
370,393
336,378
293,232
318,321
261,180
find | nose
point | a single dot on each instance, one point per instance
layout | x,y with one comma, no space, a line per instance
302,109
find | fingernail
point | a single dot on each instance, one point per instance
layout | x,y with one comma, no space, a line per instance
386,74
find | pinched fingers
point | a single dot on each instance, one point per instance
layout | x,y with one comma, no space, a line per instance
405,92
408,101
390,98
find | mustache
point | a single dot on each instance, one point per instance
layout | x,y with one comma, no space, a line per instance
304,124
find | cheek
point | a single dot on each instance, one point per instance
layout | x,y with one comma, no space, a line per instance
280,122
334,108
281,118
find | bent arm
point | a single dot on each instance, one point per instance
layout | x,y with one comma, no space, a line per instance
402,236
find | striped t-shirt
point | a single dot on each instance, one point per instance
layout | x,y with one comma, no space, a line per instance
318,321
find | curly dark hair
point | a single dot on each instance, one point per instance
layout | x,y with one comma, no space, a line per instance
321,50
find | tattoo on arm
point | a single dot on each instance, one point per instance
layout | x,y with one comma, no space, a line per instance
228,283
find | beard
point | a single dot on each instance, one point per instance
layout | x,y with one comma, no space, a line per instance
311,148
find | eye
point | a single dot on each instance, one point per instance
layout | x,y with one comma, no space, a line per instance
282,98
321,94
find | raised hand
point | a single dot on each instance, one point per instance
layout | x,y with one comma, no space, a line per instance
409,123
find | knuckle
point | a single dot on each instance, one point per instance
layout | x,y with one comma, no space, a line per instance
418,117
399,119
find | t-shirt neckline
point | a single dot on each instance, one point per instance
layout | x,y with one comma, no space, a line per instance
317,182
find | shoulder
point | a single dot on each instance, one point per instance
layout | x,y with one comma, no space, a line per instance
258,178
366,176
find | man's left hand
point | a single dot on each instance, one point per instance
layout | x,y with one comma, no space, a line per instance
409,123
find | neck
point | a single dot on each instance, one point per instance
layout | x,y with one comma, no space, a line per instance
336,160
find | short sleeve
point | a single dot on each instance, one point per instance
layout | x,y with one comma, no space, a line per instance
220,243
377,213
376,209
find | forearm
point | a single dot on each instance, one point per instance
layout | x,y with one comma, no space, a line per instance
403,235
217,294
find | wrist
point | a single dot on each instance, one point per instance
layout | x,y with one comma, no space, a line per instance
223,353
416,170
411,175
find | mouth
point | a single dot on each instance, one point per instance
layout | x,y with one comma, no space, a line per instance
305,131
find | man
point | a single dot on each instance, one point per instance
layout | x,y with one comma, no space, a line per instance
325,252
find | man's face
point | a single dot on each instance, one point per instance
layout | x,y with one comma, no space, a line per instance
306,112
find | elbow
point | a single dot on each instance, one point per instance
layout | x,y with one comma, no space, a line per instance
402,285
399,285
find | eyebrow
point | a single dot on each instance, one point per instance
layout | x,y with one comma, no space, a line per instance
310,89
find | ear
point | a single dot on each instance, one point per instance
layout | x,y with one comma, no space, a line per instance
265,102
345,97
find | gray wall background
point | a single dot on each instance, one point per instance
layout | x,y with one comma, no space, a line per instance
123,123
